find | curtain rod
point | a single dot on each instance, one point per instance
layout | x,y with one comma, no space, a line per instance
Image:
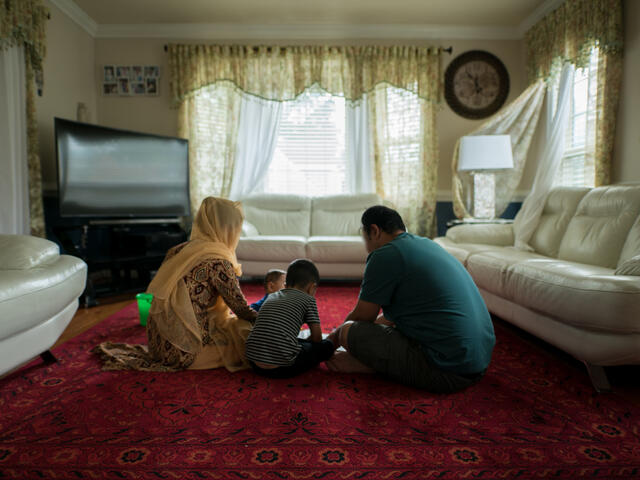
448,50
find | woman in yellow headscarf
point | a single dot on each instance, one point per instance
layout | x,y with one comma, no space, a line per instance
190,325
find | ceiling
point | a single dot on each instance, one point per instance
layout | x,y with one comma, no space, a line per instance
480,13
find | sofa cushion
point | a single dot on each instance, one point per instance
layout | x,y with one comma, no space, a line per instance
631,246
581,295
327,249
277,248
32,296
340,214
559,208
490,234
20,252
249,229
462,251
490,269
599,229
278,214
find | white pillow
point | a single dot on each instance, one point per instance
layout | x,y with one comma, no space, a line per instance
630,267
249,229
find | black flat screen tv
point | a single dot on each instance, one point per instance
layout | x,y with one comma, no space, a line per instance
112,173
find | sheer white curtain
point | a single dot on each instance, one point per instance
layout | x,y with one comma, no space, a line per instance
360,174
519,120
14,176
555,127
259,123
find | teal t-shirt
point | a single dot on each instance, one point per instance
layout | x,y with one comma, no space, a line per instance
431,298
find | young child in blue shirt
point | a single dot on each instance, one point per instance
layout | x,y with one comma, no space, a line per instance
273,282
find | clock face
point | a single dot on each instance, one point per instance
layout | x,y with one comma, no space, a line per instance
476,84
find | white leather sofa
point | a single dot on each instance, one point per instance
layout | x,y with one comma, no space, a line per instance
280,228
39,290
580,288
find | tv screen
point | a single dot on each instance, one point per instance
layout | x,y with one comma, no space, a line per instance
106,172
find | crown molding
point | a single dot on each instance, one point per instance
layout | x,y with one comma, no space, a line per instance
538,14
218,31
213,31
78,15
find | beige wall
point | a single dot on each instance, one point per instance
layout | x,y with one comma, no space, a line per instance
155,115
626,159
450,125
68,79
144,114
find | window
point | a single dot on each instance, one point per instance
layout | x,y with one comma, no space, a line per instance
577,168
400,143
310,154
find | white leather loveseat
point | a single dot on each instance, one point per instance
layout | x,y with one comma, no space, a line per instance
280,228
580,288
39,290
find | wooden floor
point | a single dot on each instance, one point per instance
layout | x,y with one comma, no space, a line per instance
87,317
625,380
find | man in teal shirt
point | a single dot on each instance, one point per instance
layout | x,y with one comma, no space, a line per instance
435,331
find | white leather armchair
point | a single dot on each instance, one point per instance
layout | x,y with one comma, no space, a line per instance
39,290
580,288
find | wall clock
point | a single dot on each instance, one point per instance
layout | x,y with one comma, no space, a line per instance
476,84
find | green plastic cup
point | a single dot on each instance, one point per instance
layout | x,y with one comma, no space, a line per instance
144,304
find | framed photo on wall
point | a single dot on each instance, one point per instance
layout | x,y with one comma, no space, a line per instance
130,80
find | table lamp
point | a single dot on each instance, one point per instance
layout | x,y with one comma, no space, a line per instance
481,156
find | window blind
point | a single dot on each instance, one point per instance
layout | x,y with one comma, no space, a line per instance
310,156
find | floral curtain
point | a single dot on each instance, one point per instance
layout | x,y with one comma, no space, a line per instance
23,22
402,127
283,73
568,34
210,121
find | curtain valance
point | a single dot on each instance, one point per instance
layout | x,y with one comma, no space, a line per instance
23,23
568,33
283,73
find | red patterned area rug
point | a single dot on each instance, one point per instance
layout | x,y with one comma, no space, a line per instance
532,416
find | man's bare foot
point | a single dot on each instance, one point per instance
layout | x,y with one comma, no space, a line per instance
346,363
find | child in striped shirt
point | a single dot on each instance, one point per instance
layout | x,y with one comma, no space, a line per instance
273,347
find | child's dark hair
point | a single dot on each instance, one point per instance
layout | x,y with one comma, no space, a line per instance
272,276
387,219
302,272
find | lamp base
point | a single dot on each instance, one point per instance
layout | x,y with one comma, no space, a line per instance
484,195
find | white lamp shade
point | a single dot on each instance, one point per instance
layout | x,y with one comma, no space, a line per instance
485,152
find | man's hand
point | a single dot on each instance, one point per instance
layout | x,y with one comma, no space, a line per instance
364,312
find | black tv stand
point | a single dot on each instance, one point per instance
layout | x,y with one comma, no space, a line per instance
135,221
122,255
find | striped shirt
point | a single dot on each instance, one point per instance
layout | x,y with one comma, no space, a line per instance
274,337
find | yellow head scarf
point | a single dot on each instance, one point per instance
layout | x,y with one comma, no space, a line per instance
215,234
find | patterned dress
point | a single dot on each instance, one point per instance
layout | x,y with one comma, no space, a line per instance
204,282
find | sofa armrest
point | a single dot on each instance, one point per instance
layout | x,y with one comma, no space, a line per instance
22,252
487,234
249,230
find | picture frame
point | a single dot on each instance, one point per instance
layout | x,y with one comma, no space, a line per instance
123,86
122,71
130,80
138,88
108,73
136,73
151,86
109,89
